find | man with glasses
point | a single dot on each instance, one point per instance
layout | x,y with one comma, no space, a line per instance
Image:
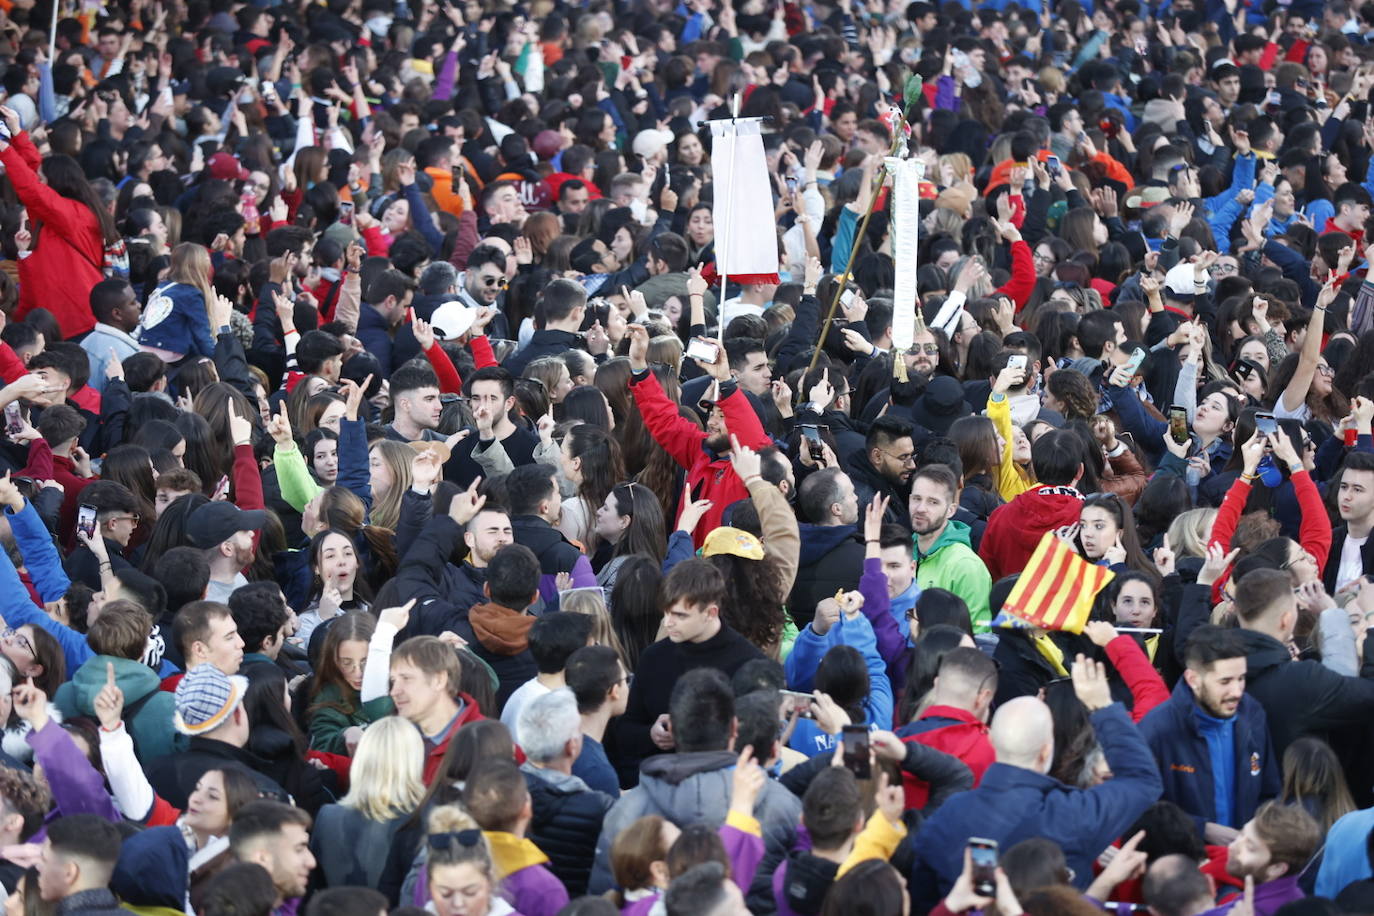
884,466
599,681
116,517
485,278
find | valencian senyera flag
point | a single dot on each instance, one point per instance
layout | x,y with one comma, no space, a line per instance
1056,589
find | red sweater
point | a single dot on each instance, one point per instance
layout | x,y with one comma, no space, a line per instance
1015,529
434,754
956,732
1314,533
70,248
708,477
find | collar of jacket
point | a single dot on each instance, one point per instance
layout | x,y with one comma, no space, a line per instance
511,853
97,898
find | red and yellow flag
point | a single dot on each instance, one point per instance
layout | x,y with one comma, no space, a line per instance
1056,589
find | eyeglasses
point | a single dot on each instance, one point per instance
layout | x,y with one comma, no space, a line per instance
19,639
1326,371
134,517
1223,270
908,458
496,280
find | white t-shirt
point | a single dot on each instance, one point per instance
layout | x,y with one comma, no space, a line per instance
525,693
1352,561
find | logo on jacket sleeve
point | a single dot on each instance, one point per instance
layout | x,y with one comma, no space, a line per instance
1254,763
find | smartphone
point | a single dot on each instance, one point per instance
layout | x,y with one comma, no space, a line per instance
846,297
1273,98
812,434
706,351
800,703
856,758
85,520
1016,361
1266,424
1178,424
1052,166
221,489
268,90
346,212
14,419
983,857
1137,358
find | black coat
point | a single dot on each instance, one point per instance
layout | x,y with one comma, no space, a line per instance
832,558
544,343
566,825
868,483
1333,559
174,776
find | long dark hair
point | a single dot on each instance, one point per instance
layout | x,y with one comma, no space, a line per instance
645,534
932,646
1116,507
265,704
601,465
65,177
634,605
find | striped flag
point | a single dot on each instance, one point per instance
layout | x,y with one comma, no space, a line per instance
1056,589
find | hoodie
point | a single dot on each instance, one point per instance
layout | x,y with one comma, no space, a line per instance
148,710
690,788
499,636
831,560
952,565
1015,529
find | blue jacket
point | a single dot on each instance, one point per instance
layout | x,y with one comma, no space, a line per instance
1012,804
175,319
1172,732
45,570
801,663
1345,860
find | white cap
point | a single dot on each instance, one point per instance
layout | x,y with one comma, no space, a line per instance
451,320
1181,281
647,142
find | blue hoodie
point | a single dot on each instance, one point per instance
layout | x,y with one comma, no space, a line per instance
805,658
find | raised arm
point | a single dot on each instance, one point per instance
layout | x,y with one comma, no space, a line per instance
1296,392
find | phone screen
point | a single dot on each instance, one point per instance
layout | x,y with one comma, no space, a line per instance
1178,424
704,350
14,418
1016,361
346,212
1266,424
1052,165
983,857
85,520
856,758
812,434
800,703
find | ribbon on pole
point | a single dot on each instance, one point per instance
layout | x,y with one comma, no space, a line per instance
742,210
907,175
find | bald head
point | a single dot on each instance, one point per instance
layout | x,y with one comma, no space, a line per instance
1175,887
1023,734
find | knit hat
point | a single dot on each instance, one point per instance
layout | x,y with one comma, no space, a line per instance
733,541
206,698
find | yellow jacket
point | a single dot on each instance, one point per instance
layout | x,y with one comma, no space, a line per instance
1012,481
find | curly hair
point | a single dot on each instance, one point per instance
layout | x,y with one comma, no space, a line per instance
1073,389
27,797
754,597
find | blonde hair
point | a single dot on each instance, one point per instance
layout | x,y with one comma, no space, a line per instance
386,778
1189,532
666,349
190,265
592,602
386,509
445,823
960,164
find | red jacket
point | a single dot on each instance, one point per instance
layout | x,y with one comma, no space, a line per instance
1131,662
956,732
69,257
435,755
1015,529
708,477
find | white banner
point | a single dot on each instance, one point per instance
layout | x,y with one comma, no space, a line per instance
905,208
742,208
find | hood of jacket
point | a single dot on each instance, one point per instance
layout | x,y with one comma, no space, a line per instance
1041,508
819,540
132,677
806,881
955,532
153,869
689,787
1263,653
500,630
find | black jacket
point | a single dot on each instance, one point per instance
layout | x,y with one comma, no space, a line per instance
174,776
1333,559
566,825
543,343
832,558
444,592
868,483
99,901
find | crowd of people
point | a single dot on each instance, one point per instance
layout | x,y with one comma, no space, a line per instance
404,510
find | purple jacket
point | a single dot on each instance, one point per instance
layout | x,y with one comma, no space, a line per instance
534,891
1269,897
76,786
742,848
878,609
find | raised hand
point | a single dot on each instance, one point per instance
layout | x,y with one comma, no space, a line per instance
398,617
109,702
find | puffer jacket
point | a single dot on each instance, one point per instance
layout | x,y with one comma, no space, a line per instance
567,821
831,560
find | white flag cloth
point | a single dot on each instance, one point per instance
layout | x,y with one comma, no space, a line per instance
906,220
746,234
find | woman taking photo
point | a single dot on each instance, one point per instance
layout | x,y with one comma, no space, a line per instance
71,230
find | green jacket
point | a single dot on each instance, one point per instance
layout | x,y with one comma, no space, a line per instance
953,566
150,725
328,724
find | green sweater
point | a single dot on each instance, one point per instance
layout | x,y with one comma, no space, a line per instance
328,724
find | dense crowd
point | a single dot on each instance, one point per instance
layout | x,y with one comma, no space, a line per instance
404,510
